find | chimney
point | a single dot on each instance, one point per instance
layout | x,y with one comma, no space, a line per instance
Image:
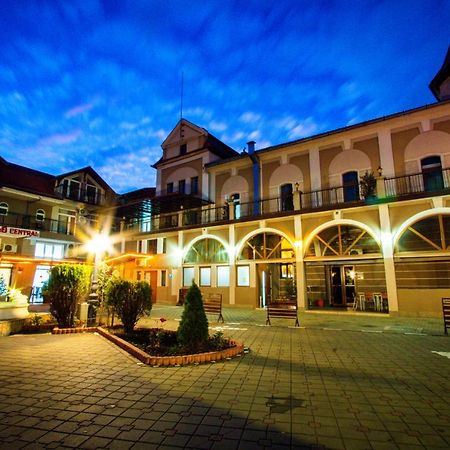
251,147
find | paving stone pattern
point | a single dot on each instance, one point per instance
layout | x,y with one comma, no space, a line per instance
296,388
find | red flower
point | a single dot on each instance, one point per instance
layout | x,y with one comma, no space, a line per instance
162,320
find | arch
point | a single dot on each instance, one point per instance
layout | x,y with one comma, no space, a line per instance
286,173
239,246
416,218
234,184
334,223
426,144
349,160
188,247
40,215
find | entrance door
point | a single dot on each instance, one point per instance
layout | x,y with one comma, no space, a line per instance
287,199
40,277
342,284
432,173
351,186
151,277
265,285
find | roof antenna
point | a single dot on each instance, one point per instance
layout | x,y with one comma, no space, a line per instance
181,96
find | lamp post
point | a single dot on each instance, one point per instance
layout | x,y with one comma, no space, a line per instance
99,244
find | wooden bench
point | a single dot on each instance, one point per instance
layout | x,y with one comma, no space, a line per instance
213,305
282,310
446,313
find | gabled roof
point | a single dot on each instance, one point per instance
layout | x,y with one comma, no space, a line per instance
89,170
28,180
212,144
441,76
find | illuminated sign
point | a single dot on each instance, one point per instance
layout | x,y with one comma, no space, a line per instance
17,232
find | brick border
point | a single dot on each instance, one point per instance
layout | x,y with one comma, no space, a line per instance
156,361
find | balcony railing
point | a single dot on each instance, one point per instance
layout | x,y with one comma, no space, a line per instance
430,183
81,195
418,183
31,223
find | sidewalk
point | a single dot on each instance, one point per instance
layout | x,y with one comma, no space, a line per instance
313,387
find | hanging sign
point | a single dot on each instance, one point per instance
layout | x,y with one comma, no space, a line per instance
17,232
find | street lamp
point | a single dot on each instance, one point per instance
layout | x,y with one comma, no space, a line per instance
98,245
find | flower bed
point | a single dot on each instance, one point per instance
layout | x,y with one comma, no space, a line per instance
234,348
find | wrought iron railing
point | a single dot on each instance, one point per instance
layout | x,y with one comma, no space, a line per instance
81,194
418,183
13,219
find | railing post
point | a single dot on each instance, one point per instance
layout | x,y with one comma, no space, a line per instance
380,187
297,200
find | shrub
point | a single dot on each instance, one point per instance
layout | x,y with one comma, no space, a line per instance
67,285
130,300
368,185
193,329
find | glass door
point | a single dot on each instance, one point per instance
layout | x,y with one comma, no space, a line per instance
342,284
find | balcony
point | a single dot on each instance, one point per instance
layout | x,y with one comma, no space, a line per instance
398,188
29,222
81,194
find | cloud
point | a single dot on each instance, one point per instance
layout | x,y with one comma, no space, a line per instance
60,139
217,126
250,117
79,109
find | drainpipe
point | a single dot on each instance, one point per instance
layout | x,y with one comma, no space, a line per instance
256,177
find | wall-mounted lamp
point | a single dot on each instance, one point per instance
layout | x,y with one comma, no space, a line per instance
297,185
19,269
380,171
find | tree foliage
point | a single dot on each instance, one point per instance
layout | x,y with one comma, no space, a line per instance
130,300
193,329
368,185
67,286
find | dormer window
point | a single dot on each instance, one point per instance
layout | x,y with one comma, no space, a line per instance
183,149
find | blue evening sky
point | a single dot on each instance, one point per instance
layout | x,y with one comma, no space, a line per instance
97,82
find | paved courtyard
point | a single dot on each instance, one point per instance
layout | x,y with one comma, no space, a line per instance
339,382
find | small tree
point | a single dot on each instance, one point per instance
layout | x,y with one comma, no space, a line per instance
67,285
130,300
193,329
368,185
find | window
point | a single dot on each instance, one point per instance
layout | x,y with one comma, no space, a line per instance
182,186
163,277
169,188
351,186
4,209
286,270
152,246
188,276
140,247
72,188
91,194
243,275
287,200
50,251
207,251
267,246
194,185
205,276
183,149
223,276
40,215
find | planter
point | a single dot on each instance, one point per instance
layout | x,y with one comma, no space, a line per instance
12,311
164,361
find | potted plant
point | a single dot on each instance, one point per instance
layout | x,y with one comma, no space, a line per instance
368,185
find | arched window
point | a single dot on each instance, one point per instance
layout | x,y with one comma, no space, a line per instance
432,173
4,209
342,240
287,200
40,215
351,186
206,251
428,234
266,246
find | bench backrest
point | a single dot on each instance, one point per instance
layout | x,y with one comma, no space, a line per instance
446,313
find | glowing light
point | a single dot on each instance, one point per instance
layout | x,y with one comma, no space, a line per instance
99,244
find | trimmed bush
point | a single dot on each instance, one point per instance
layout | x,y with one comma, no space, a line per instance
130,300
67,286
193,329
